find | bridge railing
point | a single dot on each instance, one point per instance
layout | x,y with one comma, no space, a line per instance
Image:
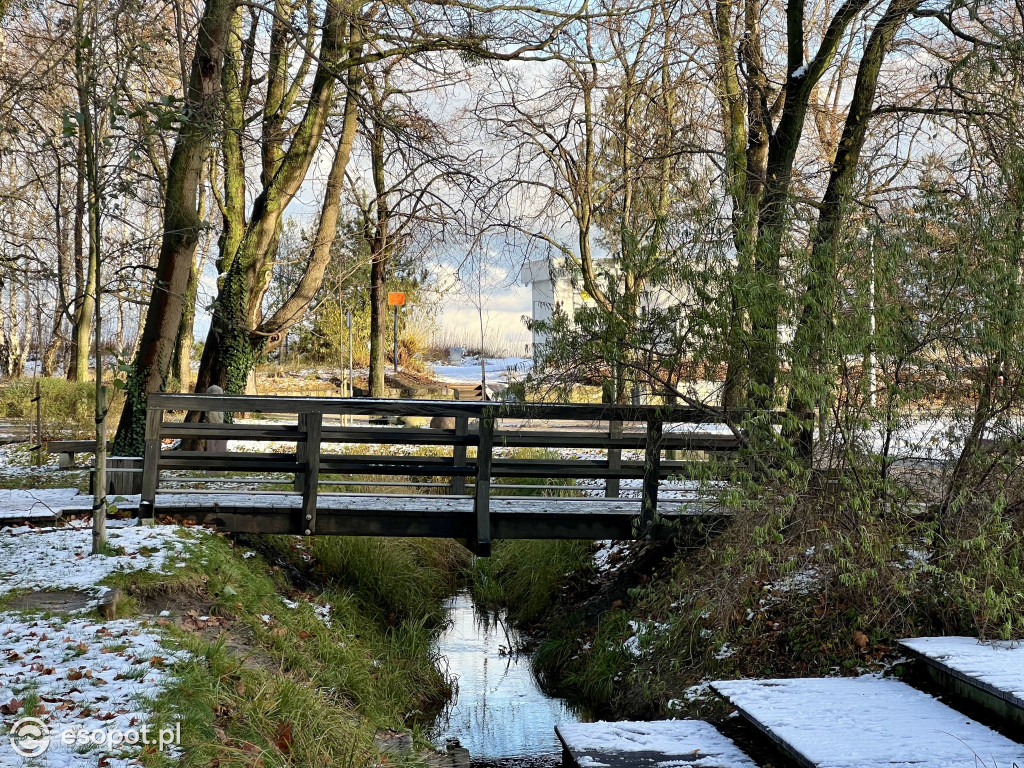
485,426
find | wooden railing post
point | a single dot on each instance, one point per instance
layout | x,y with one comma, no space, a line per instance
652,468
611,486
307,480
482,493
151,465
458,486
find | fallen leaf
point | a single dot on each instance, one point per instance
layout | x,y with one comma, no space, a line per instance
11,707
284,737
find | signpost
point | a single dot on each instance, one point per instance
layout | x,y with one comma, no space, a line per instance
396,299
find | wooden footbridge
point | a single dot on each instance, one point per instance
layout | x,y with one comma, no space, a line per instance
457,481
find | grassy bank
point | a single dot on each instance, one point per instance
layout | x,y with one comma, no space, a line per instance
280,675
791,588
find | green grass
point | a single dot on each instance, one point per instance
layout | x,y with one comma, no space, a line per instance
392,579
526,576
293,691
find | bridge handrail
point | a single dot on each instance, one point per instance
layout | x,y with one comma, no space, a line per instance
309,433
368,406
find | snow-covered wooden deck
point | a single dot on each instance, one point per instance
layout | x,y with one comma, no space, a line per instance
675,743
867,722
41,503
990,673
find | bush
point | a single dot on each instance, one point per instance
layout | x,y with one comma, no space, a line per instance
68,407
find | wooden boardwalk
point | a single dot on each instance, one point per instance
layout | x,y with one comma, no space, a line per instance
458,478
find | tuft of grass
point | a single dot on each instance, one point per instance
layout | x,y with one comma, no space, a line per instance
393,579
526,576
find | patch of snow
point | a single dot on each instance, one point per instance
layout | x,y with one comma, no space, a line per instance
87,676
60,558
867,722
801,582
674,742
499,370
698,692
323,612
609,551
725,652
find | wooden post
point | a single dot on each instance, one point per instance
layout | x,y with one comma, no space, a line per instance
39,425
482,493
612,484
672,399
151,465
99,478
123,478
458,486
652,466
310,424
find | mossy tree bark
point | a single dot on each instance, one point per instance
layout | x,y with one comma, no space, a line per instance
182,225
238,337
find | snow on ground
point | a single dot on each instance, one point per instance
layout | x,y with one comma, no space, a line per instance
90,681
500,370
85,679
610,555
997,665
58,558
868,722
19,504
665,743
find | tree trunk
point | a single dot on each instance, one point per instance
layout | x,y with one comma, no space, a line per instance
233,347
231,352
378,265
78,367
813,343
181,361
182,227
765,296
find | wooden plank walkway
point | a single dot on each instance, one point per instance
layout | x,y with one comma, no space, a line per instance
867,722
675,743
992,674
41,503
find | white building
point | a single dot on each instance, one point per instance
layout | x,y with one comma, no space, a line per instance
552,287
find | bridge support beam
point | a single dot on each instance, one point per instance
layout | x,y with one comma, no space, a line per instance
482,492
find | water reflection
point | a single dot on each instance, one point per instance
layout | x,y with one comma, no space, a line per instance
500,712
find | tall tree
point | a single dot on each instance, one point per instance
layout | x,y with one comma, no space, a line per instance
182,225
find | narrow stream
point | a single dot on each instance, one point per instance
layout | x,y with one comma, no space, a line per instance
500,714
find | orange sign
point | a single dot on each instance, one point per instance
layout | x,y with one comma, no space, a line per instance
396,299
